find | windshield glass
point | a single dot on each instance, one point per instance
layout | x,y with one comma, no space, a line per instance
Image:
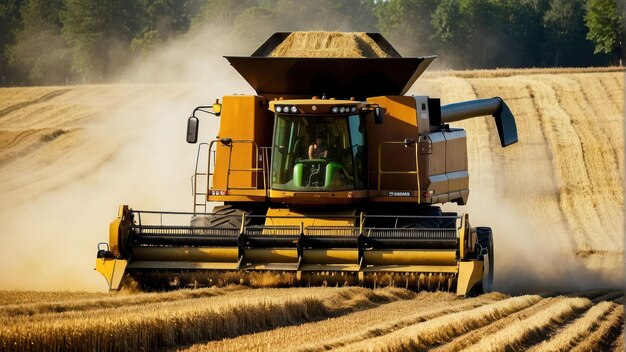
318,153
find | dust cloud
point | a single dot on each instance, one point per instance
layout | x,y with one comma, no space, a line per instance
529,256
50,241
529,259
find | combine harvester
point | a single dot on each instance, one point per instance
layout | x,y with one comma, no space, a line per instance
329,175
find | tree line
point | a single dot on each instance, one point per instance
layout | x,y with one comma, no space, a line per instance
76,41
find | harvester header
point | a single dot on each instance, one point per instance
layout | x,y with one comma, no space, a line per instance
328,175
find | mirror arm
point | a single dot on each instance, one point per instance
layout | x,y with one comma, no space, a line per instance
202,109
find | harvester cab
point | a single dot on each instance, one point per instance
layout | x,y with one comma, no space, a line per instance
328,175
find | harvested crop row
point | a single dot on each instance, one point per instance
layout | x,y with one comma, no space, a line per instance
571,127
599,132
352,327
442,329
109,301
610,331
31,297
609,296
156,326
97,313
619,343
499,73
574,333
516,335
472,337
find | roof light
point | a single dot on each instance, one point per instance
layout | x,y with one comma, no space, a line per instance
334,110
342,110
279,109
294,109
353,109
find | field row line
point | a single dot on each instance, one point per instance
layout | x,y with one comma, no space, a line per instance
164,325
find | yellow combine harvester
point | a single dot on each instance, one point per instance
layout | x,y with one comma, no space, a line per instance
328,175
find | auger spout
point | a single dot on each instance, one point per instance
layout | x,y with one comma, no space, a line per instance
496,107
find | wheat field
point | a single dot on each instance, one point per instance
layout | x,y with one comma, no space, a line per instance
311,319
70,155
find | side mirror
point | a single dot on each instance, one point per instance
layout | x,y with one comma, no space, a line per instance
217,109
192,130
379,114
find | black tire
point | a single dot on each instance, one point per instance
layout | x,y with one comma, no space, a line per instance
485,240
224,216
448,223
431,220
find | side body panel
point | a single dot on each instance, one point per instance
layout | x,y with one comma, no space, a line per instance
400,122
443,166
248,123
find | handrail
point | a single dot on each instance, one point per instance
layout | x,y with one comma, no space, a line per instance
325,216
359,227
254,170
396,172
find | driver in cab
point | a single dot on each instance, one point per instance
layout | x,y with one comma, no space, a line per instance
318,149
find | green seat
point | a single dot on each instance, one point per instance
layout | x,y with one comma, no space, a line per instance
304,173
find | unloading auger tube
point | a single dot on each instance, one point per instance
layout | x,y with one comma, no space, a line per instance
505,122
158,257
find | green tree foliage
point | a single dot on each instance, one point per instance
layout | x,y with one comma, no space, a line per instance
10,22
253,27
161,20
39,50
42,42
221,14
605,20
407,24
566,43
328,15
99,32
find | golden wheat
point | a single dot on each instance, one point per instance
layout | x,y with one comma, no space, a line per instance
577,331
352,327
536,325
65,301
570,123
157,325
499,73
328,44
439,330
34,297
473,336
612,326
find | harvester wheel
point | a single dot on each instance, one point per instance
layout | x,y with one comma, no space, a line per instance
431,220
448,223
485,240
225,216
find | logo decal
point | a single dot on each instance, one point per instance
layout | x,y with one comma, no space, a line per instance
399,194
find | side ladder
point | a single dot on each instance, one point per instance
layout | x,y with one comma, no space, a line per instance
200,195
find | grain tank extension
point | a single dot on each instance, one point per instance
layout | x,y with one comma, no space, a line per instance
329,175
